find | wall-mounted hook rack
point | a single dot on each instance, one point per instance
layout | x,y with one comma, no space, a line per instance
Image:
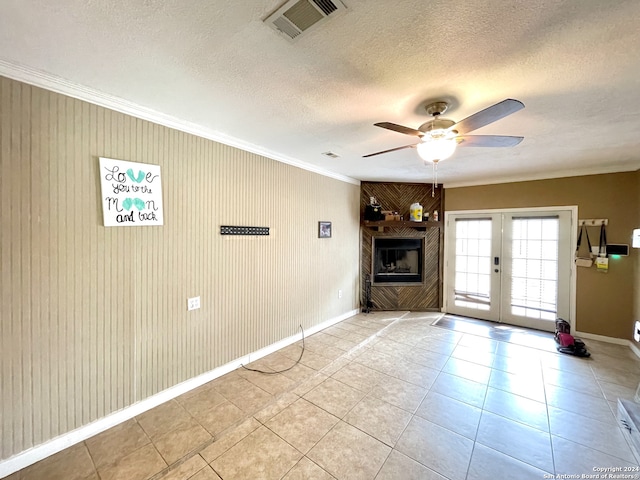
593,222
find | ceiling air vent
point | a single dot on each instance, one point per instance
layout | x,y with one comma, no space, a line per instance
297,16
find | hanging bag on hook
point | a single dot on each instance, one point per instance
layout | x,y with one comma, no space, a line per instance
583,261
602,262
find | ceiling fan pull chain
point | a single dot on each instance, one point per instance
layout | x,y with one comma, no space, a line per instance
434,178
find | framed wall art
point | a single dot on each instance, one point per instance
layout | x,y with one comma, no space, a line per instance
131,193
324,229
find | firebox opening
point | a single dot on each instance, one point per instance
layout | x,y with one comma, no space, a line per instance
397,260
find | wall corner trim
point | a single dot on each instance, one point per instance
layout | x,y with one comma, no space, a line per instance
55,445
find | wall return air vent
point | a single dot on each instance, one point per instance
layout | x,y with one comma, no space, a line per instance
298,16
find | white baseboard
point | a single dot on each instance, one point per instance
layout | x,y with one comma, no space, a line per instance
274,347
618,341
55,445
602,338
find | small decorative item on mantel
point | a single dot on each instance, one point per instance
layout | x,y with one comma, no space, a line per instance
415,212
390,215
373,211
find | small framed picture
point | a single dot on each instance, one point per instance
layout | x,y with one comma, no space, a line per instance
324,229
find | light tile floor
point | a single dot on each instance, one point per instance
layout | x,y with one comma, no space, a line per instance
383,395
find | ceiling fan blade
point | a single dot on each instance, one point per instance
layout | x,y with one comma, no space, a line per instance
390,150
488,140
399,128
488,115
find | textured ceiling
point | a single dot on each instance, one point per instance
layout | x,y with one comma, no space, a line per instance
575,65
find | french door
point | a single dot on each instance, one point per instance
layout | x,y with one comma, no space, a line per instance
510,266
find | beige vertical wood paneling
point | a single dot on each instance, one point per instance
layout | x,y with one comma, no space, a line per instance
6,337
94,319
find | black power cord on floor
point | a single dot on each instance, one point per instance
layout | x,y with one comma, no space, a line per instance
280,371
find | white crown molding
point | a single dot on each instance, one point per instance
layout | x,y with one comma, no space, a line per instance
65,87
598,170
55,445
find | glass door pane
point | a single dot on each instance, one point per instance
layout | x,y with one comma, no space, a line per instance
535,270
534,274
473,286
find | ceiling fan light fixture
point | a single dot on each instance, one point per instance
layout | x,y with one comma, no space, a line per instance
437,147
440,136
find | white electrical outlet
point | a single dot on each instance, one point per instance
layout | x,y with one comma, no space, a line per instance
193,303
339,293
636,332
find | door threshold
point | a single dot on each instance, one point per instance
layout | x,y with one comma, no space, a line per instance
527,337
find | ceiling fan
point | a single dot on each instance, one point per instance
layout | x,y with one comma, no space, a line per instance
439,137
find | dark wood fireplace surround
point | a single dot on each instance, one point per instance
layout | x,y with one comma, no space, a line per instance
427,295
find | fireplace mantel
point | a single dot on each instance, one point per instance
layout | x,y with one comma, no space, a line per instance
380,225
